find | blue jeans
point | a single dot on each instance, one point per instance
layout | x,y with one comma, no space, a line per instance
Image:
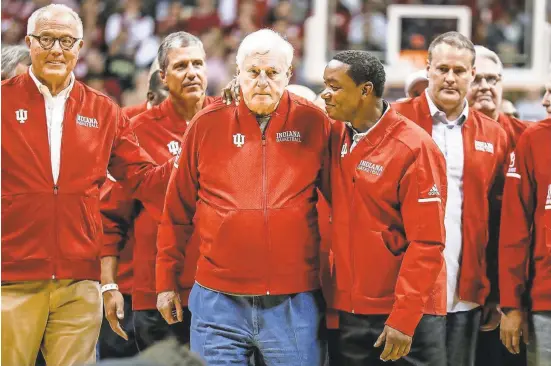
539,348
285,329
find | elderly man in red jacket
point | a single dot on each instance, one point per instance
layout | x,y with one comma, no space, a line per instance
160,130
388,182
59,138
525,247
246,181
486,96
475,148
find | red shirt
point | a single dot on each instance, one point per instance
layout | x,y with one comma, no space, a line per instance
525,240
389,195
250,197
133,110
485,149
159,130
54,230
513,127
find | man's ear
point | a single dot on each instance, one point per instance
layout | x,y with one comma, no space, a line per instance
162,75
290,72
367,88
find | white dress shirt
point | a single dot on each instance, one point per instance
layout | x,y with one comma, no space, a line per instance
55,111
448,136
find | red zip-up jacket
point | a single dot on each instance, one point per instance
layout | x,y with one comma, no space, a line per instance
159,131
54,231
132,111
526,223
389,197
513,127
117,219
485,149
251,198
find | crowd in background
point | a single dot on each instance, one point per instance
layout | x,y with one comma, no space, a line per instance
122,36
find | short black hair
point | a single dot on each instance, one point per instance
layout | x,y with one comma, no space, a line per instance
454,39
155,81
364,67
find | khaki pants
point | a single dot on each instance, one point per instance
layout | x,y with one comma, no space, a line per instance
60,317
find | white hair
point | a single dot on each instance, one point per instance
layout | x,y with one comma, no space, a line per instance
414,78
11,57
262,42
484,52
38,13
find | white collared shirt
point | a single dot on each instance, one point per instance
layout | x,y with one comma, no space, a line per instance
357,136
55,111
448,136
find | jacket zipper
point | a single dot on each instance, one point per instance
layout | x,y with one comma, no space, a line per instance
56,191
66,112
265,202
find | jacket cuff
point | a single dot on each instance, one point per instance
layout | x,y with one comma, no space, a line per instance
166,281
510,302
404,320
109,248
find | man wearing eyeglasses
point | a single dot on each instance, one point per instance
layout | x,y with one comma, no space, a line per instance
486,96
59,138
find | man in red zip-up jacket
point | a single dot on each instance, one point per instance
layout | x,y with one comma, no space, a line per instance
525,247
475,148
160,130
485,95
388,182
59,138
118,217
246,182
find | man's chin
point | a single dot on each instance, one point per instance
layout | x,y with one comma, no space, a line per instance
449,98
262,109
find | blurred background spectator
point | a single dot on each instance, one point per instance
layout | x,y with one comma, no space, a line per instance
122,36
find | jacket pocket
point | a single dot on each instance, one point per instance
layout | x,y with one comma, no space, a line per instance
232,241
375,267
27,227
294,239
79,226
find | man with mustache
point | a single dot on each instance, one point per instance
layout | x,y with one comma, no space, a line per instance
475,148
160,130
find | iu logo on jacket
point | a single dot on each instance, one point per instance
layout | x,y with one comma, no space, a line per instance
238,139
173,147
21,115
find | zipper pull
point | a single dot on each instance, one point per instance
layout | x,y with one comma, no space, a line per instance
56,189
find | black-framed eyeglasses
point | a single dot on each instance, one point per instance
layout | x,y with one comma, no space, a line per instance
490,79
47,42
